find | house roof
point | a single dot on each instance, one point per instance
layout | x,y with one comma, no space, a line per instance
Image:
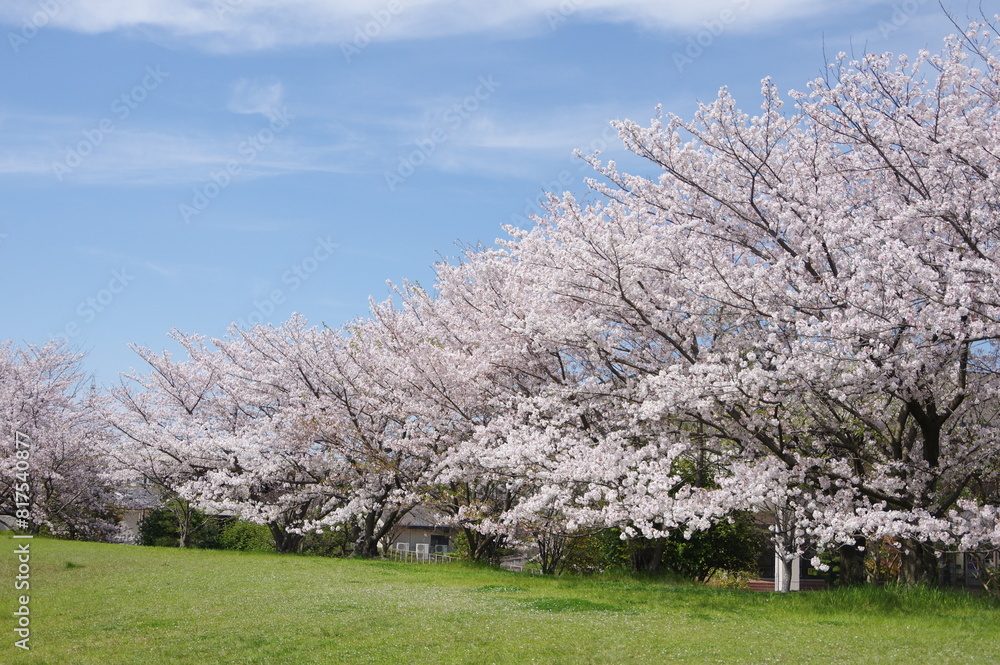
420,516
138,498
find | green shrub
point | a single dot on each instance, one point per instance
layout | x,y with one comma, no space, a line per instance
731,547
598,552
337,541
487,549
246,537
726,547
160,528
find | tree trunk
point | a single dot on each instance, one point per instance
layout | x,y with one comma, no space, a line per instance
918,563
785,574
552,551
656,556
184,518
366,546
377,524
483,548
852,563
285,542
647,555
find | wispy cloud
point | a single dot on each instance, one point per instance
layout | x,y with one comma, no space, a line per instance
155,157
261,95
246,25
488,142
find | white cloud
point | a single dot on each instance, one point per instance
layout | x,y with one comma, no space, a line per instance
242,25
520,144
264,96
41,145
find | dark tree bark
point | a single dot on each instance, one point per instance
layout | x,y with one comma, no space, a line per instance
852,563
483,548
918,564
284,541
647,555
376,525
552,551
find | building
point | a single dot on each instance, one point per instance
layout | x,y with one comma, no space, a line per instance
134,503
423,527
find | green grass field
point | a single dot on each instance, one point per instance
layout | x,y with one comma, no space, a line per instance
114,604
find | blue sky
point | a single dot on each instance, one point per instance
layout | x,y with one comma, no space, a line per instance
193,163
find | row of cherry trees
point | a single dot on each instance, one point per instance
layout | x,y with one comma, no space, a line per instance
794,313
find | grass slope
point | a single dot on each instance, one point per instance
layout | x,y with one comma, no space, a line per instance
115,605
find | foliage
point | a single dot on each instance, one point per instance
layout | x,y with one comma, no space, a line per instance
161,528
460,546
728,546
158,528
334,541
883,561
598,552
246,537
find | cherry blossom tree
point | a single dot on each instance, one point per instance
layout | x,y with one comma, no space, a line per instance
164,438
52,445
353,420
274,425
463,359
808,297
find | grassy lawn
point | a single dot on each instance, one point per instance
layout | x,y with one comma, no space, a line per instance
114,604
